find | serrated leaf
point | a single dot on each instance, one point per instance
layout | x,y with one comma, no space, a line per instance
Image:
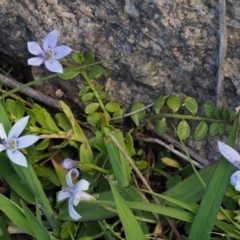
213,130
161,127
137,117
174,103
91,108
191,105
209,109
159,103
77,57
201,131
87,97
83,90
112,107
95,71
68,73
222,128
218,113
183,130
225,114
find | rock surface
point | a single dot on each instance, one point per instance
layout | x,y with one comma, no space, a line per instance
174,45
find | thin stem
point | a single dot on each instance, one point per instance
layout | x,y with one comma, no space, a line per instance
89,82
182,116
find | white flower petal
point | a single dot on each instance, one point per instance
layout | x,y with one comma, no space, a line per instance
69,177
61,51
229,153
50,40
3,134
63,194
26,141
18,127
237,185
72,212
36,61
17,157
83,196
54,66
34,48
82,185
2,147
233,178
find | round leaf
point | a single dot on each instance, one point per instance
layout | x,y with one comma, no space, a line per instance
91,108
218,113
232,116
222,128
117,114
213,130
88,96
103,95
93,119
161,127
137,117
174,103
159,103
183,130
77,57
112,107
68,73
95,71
191,105
201,131
225,114
209,109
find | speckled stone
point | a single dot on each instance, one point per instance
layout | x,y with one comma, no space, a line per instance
175,43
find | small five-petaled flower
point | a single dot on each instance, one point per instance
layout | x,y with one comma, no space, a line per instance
75,193
233,157
13,142
49,54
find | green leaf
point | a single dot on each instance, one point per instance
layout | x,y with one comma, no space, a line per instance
183,130
112,107
83,91
77,57
93,119
43,144
130,224
213,130
91,108
174,103
218,113
233,116
86,156
4,232
49,174
222,128
191,105
103,95
87,97
209,109
173,181
40,232
19,108
201,131
225,114
15,213
68,73
89,58
161,127
159,103
205,218
118,114
137,117
95,71
129,144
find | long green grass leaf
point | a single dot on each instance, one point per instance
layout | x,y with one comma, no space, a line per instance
206,215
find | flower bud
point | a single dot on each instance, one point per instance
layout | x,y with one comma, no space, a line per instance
68,163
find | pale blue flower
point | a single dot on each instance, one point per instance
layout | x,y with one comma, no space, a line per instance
49,54
13,142
68,163
233,157
75,193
